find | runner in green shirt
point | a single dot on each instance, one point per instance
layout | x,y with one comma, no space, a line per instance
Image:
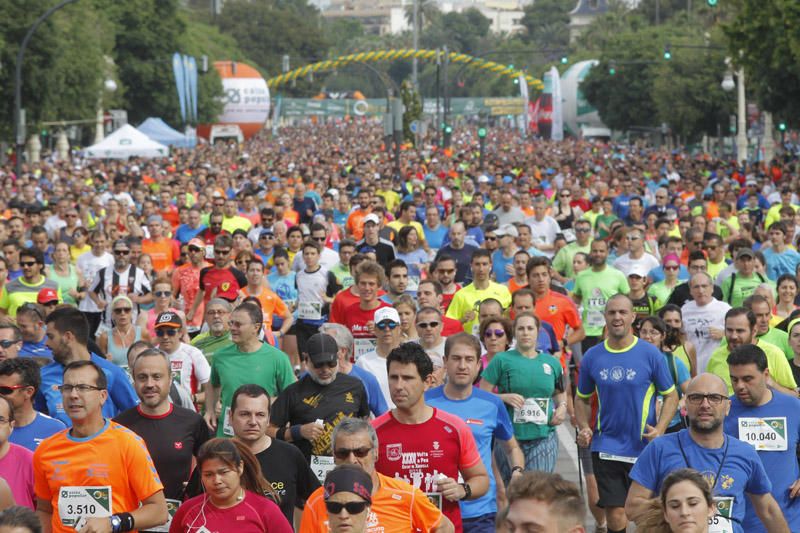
248,360
218,336
743,282
562,262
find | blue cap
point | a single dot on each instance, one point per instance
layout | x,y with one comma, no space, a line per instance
507,179
274,178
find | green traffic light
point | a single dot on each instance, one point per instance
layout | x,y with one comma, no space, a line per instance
481,132
712,3
612,71
782,126
564,60
448,129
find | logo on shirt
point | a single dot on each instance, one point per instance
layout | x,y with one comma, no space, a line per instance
348,397
225,286
436,445
394,452
474,421
546,369
552,309
313,401
727,481
617,373
630,374
178,445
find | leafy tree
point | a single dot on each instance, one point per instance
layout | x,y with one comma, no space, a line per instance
550,14
764,39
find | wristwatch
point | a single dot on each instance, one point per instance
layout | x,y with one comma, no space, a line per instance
467,491
116,523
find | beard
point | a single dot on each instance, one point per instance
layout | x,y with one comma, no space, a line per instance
705,427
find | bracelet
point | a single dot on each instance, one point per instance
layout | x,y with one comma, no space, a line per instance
518,469
295,432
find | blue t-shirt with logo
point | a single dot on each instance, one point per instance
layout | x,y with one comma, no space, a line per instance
33,434
488,419
782,415
35,349
740,470
121,395
626,382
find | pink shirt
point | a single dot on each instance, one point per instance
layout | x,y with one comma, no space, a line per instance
17,469
254,514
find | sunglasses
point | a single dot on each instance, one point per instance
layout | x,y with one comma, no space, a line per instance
166,332
331,364
489,333
195,249
122,252
386,324
27,263
222,252
350,507
9,389
6,344
162,294
122,310
491,238
674,267
319,239
426,325
344,453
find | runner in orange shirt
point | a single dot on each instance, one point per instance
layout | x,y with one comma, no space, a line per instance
258,287
396,505
355,222
554,308
163,251
97,471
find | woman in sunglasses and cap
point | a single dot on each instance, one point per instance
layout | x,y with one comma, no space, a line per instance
348,497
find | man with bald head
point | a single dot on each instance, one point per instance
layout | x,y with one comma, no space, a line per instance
731,466
625,373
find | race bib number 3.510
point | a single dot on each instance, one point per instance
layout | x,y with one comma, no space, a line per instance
764,434
76,503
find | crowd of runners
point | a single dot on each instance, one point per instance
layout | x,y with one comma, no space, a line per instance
289,335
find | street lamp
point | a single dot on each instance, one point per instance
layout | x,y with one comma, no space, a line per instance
110,86
741,120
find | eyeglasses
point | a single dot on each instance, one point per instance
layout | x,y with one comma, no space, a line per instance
9,389
344,453
6,344
489,333
122,310
221,252
215,312
4,420
162,294
350,507
24,264
81,388
329,364
713,399
195,249
386,324
122,252
582,230
426,325
164,332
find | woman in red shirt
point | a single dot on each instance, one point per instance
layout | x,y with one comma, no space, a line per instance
234,493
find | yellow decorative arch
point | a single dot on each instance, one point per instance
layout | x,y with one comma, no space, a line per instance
497,69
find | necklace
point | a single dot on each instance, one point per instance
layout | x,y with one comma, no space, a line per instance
123,336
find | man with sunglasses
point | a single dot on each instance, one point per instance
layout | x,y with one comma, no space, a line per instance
731,466
186,283
124,278
396,504
306,412
26,288
20,380
10,340
388,337
187,364
220,280
429,324
266,247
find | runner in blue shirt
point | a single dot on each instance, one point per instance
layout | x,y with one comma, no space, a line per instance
19,382
485,415
67,336
731,466
770,422
625,373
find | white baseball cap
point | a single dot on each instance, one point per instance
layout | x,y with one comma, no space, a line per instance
387,313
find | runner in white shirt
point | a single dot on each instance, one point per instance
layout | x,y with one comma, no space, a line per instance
188,364
704,318
90,263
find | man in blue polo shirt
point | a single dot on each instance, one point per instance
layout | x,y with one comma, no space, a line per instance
625,373
485,415
770,422
67,337
731,467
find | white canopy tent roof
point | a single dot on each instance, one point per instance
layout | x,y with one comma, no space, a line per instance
124,143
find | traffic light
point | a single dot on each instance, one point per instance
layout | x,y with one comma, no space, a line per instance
481,133
612,68
782,126
667,53
712,3
448,129
564,60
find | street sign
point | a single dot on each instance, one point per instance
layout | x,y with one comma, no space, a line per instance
414,126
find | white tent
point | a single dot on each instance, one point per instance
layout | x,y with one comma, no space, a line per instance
124,143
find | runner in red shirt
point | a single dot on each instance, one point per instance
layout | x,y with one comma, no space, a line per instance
221,280
423,445
358,317
444,271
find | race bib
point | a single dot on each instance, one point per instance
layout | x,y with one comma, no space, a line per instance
362,346
764,434
595,319
721,522
176,367
77,503
321,465
569,235
227,428
309,311
618,458
534,411
435,498
172,508
209,251
413,284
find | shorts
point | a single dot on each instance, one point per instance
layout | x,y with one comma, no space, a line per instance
479,524
613,481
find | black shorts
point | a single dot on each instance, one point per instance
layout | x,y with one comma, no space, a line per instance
613,481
